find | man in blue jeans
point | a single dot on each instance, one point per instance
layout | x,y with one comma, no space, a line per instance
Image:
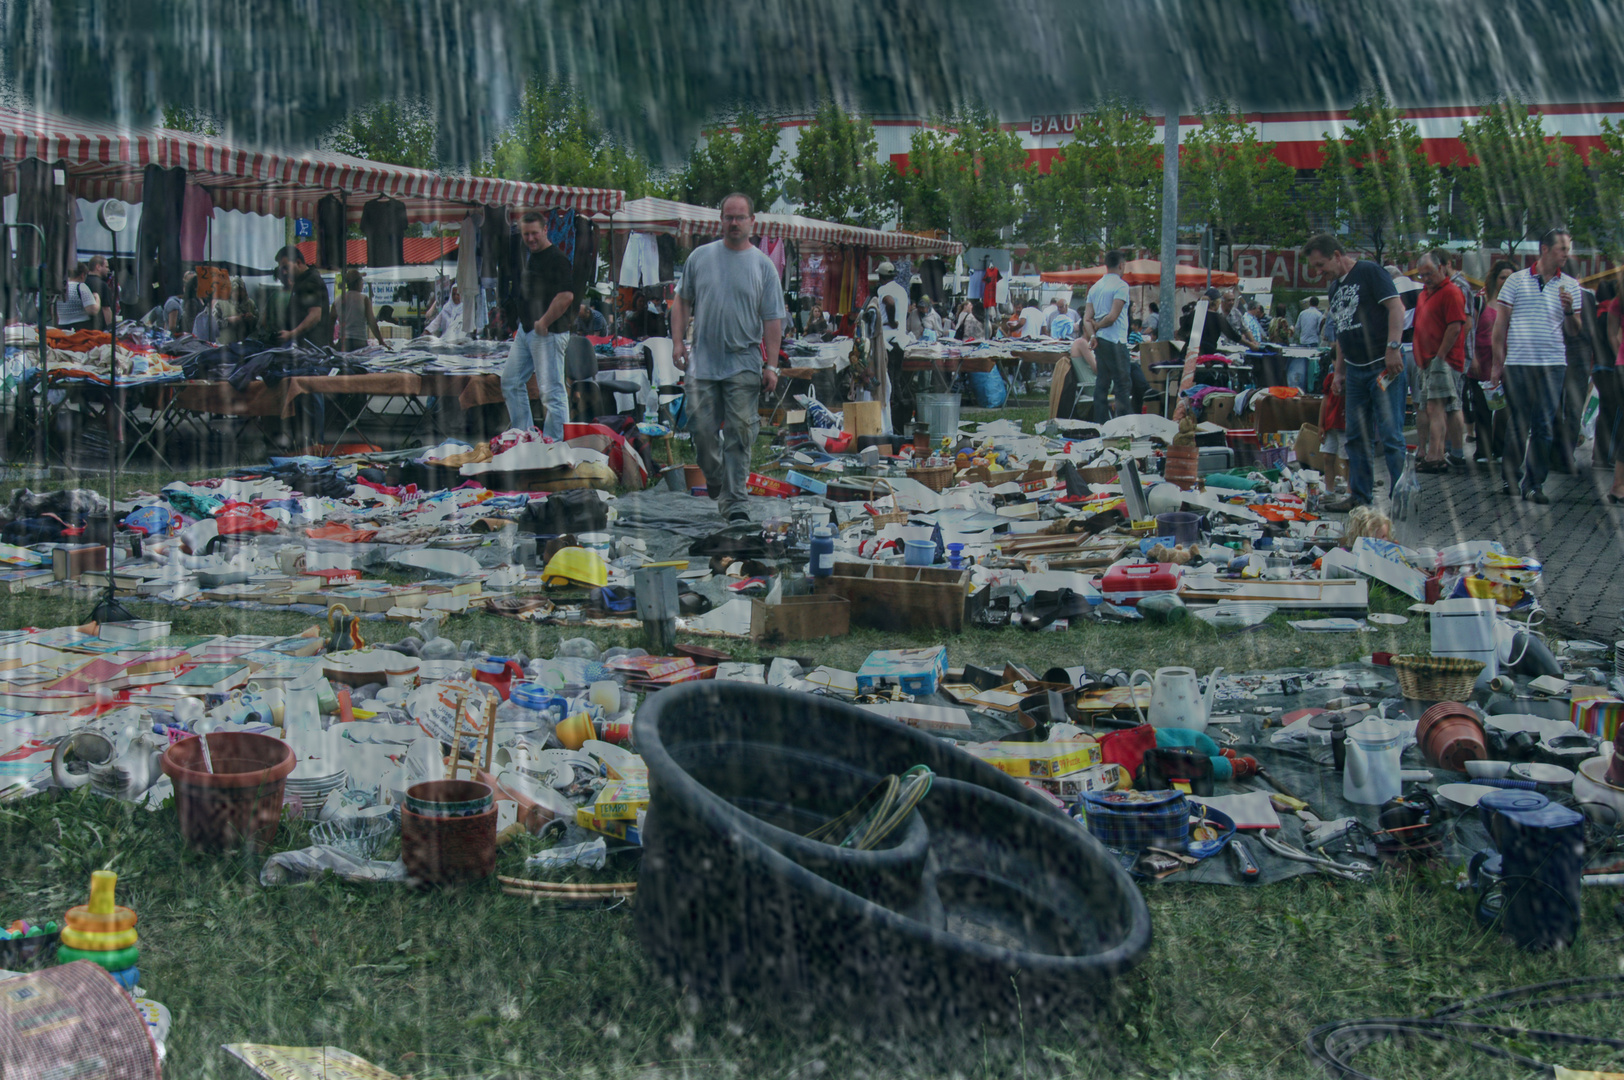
543,334
1366,316
730,295
1530,354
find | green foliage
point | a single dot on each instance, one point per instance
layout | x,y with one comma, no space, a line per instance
735,157
398,132
1103,188
1377,180
837,174
1231,180
1607,166
1523,181
197,121
965,175
556,138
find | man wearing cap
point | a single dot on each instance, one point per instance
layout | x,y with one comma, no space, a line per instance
894,335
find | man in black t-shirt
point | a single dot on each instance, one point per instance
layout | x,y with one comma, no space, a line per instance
543,334
309,317
1367,318
101,283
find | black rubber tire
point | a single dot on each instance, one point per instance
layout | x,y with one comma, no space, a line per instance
1014,908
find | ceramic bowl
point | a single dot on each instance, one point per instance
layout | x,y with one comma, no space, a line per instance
1487,770
1602,802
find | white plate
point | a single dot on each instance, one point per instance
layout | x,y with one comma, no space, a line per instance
1541,773
1382,618
1466,795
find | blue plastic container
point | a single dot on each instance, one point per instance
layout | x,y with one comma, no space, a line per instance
1542,855
919,553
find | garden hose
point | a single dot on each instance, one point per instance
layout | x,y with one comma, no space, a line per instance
1332,1046
879,813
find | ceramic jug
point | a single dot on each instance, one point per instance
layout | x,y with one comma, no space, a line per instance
1176,699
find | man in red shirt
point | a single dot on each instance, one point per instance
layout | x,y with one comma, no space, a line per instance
1440,356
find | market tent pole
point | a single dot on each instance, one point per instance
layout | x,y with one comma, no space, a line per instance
1170,211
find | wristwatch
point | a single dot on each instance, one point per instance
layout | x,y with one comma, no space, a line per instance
1395,345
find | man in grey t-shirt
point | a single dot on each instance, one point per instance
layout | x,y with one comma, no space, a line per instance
731,297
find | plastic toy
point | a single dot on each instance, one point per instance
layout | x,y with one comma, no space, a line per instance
102,932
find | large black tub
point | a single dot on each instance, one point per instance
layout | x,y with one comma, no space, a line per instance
985,902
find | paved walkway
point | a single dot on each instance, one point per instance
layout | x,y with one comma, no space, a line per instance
1579,537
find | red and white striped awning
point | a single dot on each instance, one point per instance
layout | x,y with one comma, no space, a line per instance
106,162
684,219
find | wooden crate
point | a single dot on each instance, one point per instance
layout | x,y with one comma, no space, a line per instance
901,597
800,618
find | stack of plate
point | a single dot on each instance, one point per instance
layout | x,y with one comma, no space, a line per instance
311,783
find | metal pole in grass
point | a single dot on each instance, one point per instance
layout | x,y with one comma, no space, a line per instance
1170,219
114,217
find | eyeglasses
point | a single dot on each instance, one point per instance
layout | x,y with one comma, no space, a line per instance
736,217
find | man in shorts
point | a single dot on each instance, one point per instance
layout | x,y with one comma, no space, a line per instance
1440,355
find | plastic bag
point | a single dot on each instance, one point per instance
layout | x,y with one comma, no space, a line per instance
989,388
1405,511
293,867
1587,417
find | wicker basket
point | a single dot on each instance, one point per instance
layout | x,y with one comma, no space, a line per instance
1098,474
935,477
878,521
1436,678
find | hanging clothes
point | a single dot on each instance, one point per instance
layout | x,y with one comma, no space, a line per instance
932,275
905,271
640,265
493,232
989,287
197,207
158,270
812,278
585,263
44,202
331,251
468,273
859,278
561,231
667,245
383,220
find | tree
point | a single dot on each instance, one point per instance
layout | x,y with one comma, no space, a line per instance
736,157
964,176
1376,180
1607,164
197,121
1102,188
557,139
1523,181
400,133
1231,180
837,174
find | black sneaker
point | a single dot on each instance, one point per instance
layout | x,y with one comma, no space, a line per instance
1539,497
739,517
1341,504
1505,487
1457,462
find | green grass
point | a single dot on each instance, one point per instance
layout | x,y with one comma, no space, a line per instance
471,983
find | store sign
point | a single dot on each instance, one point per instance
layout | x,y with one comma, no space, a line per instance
1055,124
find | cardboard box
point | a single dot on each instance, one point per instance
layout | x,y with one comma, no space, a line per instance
917,671
631,832
1038,761
1219,409
1286,414
939,718
621,800
1308,442
800,618
863,417
1074,785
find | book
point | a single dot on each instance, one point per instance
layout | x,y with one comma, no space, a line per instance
211,678
101,673
145,663
134,632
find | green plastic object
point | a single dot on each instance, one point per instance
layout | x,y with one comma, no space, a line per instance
116,960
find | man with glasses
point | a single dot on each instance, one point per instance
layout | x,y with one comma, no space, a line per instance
731,299
1530,355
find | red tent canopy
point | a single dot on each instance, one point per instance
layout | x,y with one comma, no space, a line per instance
1143,272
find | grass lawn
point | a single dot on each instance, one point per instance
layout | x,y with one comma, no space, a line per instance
471,983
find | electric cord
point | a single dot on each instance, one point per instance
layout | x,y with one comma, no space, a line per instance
1332,1046
879,813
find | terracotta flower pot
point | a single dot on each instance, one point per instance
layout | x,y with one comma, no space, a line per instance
694,475
241,800
447,850
1450,735
1183,466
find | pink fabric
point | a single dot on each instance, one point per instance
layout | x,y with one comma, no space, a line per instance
194,223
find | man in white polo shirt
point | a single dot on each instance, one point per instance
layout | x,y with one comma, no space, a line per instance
1530,355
